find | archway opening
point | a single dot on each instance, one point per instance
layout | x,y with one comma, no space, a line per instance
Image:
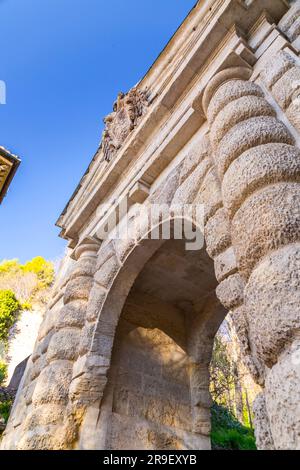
157,395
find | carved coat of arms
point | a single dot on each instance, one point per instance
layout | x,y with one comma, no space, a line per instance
125,116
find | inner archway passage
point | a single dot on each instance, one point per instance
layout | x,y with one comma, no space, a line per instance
157,395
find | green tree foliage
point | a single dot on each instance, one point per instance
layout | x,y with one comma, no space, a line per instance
27,280
20,287
5,407
231,418
3,371
9,307
5,398
43,269
228,433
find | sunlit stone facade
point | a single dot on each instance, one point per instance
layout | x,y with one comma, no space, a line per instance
121,359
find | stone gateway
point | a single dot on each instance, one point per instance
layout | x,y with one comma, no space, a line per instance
121,360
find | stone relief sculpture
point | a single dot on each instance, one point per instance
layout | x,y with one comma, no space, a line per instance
127,111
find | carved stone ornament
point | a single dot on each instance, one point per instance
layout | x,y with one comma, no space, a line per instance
127,111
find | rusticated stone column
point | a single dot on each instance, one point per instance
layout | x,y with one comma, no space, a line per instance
281,75
45,426
259,169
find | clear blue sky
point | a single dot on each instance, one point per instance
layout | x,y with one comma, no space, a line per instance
63,62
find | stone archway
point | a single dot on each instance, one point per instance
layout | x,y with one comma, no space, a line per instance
155,355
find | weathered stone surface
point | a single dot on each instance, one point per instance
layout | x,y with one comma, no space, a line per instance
165,192
71,315
199,151
272,322
103,340
293,112
256,168
43,416
143,224
276,67
200,397
88,388
229,92
248,134
217,233
187,191
84,267
64,344
285,89
246,107
289,18
28,392
105,275
126,241
294,31
230,291
98,364
226,75
42,346
86,337
96,301
277,208
262,429
139,436
283,397
78,289
49,322
53,384
210,195
201,421
43,438
107,251
37,367
225,264
284,82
